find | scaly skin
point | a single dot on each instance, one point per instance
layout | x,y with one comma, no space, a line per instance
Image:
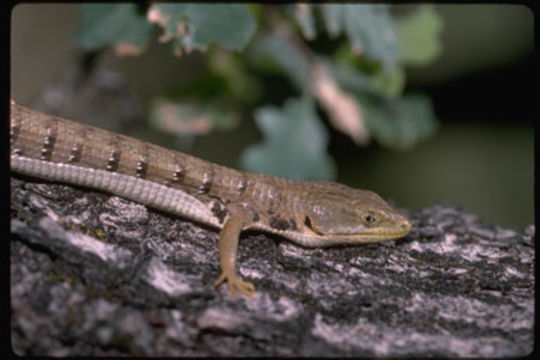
312,214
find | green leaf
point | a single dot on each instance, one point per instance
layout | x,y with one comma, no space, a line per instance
304,17
333,18
390,84
419,36
402,122
384,84
109,24
369,28
229,24
346,75
282,53
198,25
295,143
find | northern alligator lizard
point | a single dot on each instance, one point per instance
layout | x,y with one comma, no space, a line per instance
310,213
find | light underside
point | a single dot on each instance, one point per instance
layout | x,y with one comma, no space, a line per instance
146,192
310,239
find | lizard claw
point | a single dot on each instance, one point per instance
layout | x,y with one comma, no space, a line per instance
235,283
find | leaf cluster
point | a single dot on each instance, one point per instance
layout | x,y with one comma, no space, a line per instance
345,62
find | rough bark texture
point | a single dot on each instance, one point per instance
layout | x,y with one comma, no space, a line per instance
94,274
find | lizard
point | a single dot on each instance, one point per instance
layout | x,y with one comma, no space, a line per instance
309,213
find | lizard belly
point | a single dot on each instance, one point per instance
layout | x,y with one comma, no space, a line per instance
171,200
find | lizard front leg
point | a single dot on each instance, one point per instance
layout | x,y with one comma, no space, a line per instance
228,246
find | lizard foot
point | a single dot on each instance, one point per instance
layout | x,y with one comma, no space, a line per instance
235,283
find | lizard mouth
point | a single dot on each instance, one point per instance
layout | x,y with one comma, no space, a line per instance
376,234
401,229
362,236
394,231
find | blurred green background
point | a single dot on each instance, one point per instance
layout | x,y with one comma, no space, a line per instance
481,158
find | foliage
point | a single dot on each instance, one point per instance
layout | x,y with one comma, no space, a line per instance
197,25
402,122
293,136
418,37
368,27
347,60
104,24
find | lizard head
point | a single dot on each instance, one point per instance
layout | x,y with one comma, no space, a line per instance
337,214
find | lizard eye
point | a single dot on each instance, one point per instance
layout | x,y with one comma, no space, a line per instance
369,218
